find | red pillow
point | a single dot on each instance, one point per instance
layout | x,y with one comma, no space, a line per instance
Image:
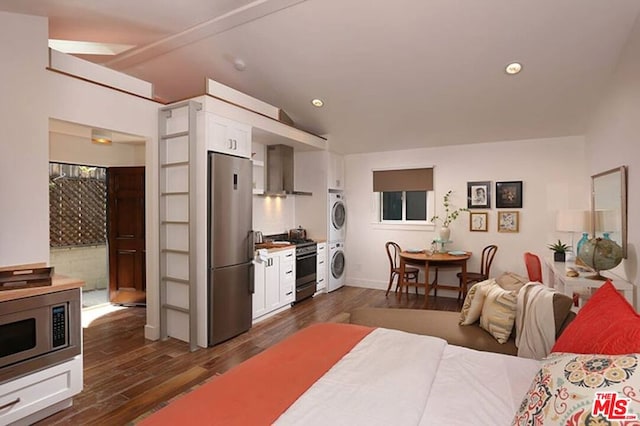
607,324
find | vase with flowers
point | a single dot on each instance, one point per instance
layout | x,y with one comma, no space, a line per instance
450,215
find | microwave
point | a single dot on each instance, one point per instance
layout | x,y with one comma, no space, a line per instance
39,331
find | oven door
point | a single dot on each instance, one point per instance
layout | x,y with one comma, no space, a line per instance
24,334
39,331
306,269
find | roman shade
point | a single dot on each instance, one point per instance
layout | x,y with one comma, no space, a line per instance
403,180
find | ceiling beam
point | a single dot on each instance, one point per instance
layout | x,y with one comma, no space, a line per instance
217,25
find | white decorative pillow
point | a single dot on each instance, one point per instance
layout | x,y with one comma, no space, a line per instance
499,312
572,389
511,281
472,306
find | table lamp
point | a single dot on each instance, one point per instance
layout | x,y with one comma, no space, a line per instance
572,221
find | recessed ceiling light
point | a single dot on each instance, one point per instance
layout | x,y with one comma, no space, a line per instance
317,103
101,137
513,68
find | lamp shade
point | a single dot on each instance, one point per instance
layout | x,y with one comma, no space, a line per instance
572,220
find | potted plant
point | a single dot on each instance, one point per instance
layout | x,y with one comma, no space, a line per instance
449,216
559,250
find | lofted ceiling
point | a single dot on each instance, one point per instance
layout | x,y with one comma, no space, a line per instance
393,75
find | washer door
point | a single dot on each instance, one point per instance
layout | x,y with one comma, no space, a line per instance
337,264
338,215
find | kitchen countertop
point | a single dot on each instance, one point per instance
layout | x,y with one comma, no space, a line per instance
270,247
59,283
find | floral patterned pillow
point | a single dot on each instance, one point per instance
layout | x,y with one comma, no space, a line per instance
572,389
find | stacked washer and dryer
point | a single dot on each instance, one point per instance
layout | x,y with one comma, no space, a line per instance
337,234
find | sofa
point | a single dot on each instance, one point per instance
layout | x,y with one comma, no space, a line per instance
445,324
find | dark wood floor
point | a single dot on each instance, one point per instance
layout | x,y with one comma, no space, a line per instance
125,375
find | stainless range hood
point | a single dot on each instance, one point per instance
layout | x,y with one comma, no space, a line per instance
280,171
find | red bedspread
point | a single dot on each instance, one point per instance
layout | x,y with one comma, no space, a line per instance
260,389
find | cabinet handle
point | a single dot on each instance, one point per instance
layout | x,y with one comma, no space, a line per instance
289,294
321,262
230,143
289,272
10,404
235,144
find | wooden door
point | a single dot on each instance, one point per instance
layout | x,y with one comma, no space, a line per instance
126,232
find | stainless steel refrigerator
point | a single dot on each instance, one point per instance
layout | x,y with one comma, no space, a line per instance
230,246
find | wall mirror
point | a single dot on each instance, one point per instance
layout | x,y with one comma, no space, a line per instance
609,206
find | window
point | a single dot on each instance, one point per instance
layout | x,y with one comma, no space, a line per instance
404,195
403,206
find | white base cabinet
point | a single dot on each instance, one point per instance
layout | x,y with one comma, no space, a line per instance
31,398
321,268
274,281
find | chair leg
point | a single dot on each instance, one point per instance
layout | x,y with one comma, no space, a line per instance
435,282
390,284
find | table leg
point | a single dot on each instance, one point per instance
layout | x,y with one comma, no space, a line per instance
426,283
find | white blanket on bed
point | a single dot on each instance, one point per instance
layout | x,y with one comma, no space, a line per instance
397,378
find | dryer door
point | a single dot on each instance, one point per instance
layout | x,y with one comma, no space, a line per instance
338,215
337,264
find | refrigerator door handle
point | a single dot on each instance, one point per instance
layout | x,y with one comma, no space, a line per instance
252,283
252,244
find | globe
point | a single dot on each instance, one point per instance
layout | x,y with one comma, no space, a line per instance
600,254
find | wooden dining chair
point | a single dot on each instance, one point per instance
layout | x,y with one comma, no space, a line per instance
410,273
534,267
488,253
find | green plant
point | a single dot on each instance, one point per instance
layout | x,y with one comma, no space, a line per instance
559,247
449,215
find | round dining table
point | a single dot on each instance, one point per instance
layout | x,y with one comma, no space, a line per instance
429,259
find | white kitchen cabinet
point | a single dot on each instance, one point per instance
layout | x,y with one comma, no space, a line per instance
31,398
287,284
321,268
227,136
274,283
266,294
258,154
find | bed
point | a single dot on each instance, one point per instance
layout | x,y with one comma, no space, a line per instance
348,374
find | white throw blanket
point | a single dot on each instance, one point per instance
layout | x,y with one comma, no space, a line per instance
535,324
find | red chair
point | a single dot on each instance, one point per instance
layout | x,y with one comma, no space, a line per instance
534,267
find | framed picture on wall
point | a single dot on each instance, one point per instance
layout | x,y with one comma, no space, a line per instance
478,221
509,195
508,221
478,195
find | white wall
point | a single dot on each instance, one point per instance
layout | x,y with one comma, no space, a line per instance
24,199
612,141
79,150
31,95
553,172
274,215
